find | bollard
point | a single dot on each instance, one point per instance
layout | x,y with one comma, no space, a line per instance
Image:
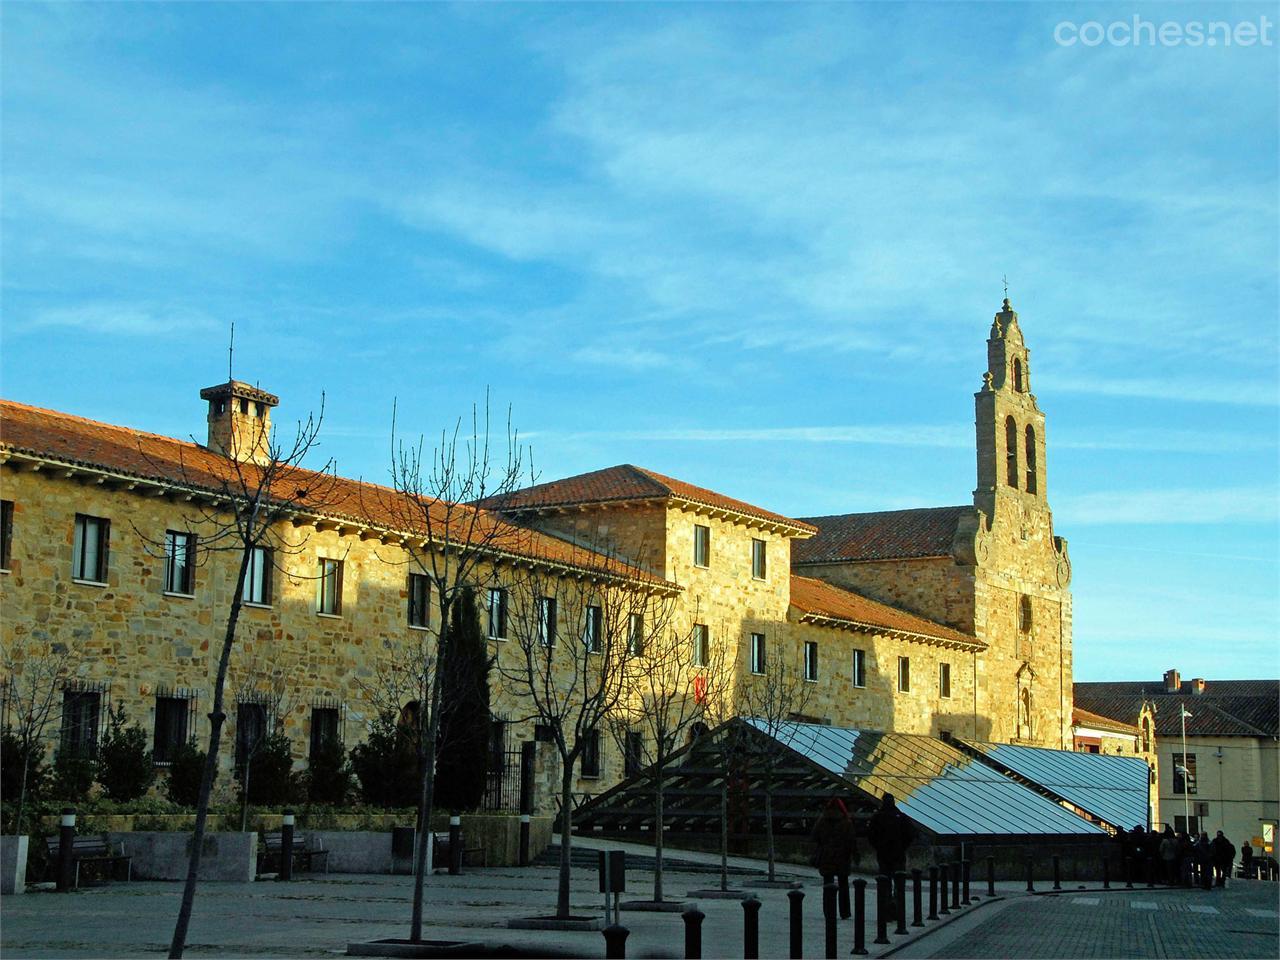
882,909
455,854
751,928
615,942
693,918
66,850
900,901
286,846
943,871
955,885
829,892
797,916
965,867
1031,876
1128,873
933,893
1106,873
1057,872
991,876
917,920
524,839
859,916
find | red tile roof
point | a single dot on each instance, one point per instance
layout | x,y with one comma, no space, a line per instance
888,535
1084,718
129,453
628,483
1227,708
817,599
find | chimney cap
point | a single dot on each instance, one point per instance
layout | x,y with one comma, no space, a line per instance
239,389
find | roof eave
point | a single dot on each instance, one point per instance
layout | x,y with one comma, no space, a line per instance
848,623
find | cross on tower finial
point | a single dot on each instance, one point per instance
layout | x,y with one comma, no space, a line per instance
1005,279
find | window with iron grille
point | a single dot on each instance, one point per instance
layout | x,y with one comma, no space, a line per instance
811,660
497,613
174,711
251,729
179,562
590,764
6,533
257,583
759,562
329,588
419,600
592,625
81,721
757,653
859,668
326,728
701,545
89,553
701,645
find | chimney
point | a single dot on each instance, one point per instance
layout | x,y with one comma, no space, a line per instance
1197,686
1172,682
240,420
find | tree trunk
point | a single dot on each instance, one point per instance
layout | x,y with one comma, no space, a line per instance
724,832
566,833
425,836
22,793
657,832
768,823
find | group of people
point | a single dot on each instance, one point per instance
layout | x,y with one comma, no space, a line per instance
1180,859
889,831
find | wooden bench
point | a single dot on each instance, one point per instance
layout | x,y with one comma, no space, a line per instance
306,856
471,856
93,851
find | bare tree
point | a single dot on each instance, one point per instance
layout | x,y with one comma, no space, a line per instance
579,643
774,695
34,672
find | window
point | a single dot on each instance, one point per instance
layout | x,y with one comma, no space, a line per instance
591,629
904,674
633,753
419,600
1031,459
325,729
257,585
757,653
701,546
89,558
1017,375
6,533
590,764
701,645
635,634
329,588
173,726
546,621
1182,825
1024,613
859,668
759,566
1184,773
497,613
944,681
811,660
251,730
179,562
1146,734
81,711
1011,452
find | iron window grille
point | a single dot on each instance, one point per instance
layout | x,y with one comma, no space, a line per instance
174,722
82,704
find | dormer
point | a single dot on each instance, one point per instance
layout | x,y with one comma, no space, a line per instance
240,420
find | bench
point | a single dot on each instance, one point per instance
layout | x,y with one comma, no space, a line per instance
89,851
471,856
306,857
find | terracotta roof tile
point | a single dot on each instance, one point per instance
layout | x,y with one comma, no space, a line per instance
1227,708
821,599
133,453
887,535
1085,718
628,483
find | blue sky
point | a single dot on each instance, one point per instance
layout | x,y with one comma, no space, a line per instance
757,247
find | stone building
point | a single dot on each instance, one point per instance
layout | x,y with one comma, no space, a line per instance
1094,733
933,621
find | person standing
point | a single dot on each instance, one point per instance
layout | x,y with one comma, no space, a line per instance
1246,860
1224,854
1169,857
890,832
834,845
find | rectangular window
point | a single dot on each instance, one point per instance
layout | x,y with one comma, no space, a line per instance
419,600
701,645
591,629
944,681
497,613
757,653
634,755
635,634
179,562
1184,773
590,754
6,533
904,675
701,546
1182,825
251,730
257,584
325,728
811,660
759,563
173,715
546,621
859,668
329,588
89,556
81,711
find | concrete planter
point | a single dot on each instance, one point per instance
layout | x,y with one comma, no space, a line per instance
164,856
13,865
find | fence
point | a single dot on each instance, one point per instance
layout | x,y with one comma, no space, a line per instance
502,782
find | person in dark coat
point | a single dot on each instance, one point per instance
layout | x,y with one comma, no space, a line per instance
834,844
1246,860
1224,854
1204,861
1169,857
890,833
1186,860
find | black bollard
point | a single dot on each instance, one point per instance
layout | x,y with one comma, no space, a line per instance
693,918
751,928
917,914
1057,872
1031,875
524,839
900,901
829,890
991,876
933,893
455,852
797,915
859,916
1128,873
882,909
66,850
955,885
1106,873
944,872
615,942
286,846
965,867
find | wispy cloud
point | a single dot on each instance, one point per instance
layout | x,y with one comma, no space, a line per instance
122,319
1255,504
1214,389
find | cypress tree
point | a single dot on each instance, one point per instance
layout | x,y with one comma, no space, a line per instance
462,753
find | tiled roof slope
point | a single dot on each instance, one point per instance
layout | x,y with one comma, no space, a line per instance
1227,708
1086,718
626,482
888,535
818,598
132,453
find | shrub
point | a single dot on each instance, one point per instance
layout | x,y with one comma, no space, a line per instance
386,765
73,776
272,781
125,768
185,770
329,777
12,757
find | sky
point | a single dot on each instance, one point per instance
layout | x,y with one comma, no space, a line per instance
757,247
